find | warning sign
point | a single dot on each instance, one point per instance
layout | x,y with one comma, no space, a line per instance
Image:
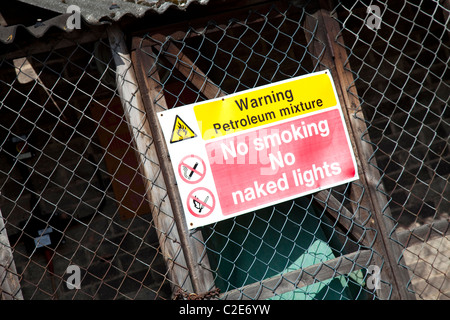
181,131
265,105
295,158
259,147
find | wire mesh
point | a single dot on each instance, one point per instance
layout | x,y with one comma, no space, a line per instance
402,77
71,184
75,190
256,47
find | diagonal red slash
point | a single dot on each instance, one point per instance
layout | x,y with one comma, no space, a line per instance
201,202
192,169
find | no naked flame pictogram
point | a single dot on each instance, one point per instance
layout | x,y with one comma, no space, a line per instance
201,202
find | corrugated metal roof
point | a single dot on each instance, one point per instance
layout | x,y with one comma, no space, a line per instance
93,12
8,33
96,11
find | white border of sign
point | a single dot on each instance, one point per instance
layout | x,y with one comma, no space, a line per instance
196,146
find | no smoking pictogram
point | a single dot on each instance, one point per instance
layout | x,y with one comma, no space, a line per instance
192,169
201,202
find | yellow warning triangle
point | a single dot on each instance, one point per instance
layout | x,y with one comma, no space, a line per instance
181,131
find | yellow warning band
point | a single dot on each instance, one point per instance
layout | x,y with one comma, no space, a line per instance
264,105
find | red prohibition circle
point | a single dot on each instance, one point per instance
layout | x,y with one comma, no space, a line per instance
192,169
190,202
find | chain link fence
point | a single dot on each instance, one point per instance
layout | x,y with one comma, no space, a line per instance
71,184
85,184
259,255
401,71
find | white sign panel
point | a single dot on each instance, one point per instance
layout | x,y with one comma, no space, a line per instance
259,147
